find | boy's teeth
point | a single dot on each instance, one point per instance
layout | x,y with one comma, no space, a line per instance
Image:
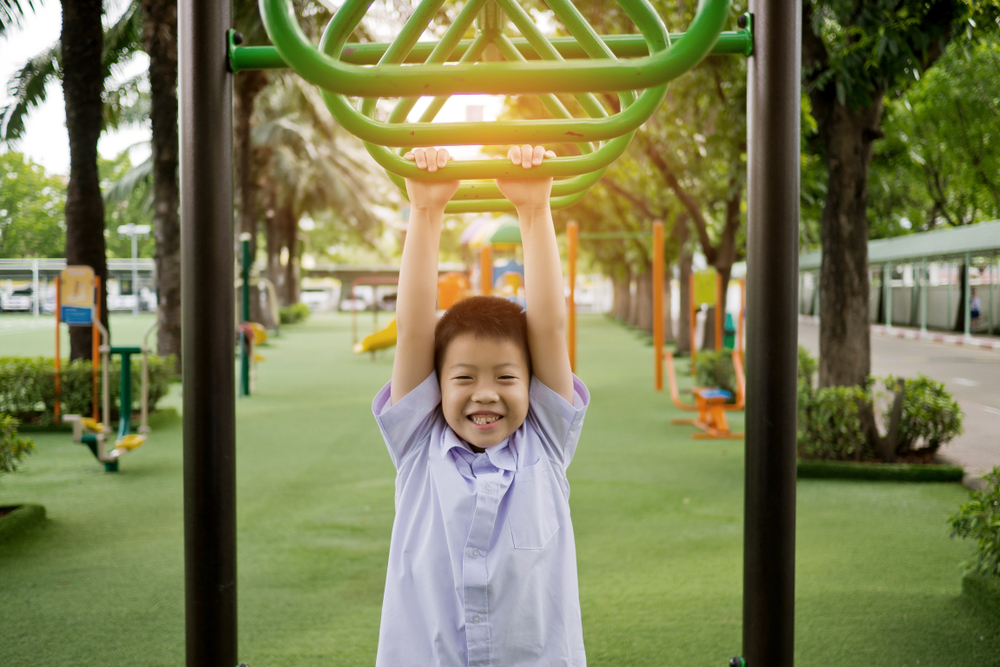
482,419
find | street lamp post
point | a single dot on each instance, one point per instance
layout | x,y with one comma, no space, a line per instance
135,232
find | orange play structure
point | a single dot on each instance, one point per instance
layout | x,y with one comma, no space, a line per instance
711,403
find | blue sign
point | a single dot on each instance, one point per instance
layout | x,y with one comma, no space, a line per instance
77,316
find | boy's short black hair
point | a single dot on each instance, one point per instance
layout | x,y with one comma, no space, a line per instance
489,317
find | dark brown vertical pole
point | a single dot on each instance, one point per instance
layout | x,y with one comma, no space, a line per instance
207,336
772,332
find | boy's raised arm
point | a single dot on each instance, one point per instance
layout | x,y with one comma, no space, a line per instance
416,300
543,279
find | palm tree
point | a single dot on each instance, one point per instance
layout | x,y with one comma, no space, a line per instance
159,38
12,13
310,166
83,58
149,25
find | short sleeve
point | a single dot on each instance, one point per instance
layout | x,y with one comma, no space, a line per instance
409,422
556,422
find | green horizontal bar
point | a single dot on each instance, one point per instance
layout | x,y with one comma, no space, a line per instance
540,131
615,235
572,76
504,206
731,43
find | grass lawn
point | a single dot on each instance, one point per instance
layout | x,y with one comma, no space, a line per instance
658,519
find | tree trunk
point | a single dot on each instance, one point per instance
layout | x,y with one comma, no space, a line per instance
246,86
668,302
290,279
844,341
683,338
159,28
644,301
622,297
83,83
633,302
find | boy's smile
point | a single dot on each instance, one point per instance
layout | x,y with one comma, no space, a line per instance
484,389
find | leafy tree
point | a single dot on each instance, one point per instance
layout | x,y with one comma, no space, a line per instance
854,55
940,162
31,209
135,208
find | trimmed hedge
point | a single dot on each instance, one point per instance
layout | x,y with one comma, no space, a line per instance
27,386
894,472
23,518
715,369
294,314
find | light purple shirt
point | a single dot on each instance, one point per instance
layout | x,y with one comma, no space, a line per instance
482,563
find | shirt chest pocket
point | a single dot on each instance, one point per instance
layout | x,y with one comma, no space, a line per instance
531,512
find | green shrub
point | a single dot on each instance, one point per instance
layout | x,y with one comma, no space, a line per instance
931,416
979,519
807,366
829,424
715,369
27,386
12,448
293,314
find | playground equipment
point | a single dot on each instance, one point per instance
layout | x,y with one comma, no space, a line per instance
76,288
774,91
593,66
711,403
452,288
380,338
251,334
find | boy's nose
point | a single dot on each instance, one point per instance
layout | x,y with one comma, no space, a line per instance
485,396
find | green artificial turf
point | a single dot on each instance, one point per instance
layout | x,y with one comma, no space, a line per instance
658,520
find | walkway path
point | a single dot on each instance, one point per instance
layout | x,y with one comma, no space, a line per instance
972,375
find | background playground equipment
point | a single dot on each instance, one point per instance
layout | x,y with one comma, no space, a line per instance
711,403
380,339
76,305
594,64
771,36
452,288
490,235
251,334
705,289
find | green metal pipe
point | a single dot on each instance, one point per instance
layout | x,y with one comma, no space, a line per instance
504,206
242,58
574,76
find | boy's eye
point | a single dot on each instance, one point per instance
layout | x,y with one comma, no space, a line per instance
462,377
508,377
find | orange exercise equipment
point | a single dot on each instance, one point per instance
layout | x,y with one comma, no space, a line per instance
710,403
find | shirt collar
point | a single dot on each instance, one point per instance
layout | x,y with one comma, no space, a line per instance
499,455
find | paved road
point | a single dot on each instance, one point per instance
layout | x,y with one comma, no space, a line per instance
972,375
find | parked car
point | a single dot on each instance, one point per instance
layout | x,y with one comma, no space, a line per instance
22,299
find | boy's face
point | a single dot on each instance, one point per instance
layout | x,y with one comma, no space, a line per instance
484,389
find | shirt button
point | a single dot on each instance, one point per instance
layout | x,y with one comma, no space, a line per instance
476,619
475,553
488,488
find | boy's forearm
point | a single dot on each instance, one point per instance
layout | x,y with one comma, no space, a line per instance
546,301
416,302
543,270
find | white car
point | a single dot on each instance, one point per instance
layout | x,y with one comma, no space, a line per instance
19,299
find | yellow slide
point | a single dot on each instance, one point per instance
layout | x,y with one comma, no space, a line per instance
379,340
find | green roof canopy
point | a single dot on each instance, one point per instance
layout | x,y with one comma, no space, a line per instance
980,239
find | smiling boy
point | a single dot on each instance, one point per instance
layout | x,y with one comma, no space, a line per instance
481,418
